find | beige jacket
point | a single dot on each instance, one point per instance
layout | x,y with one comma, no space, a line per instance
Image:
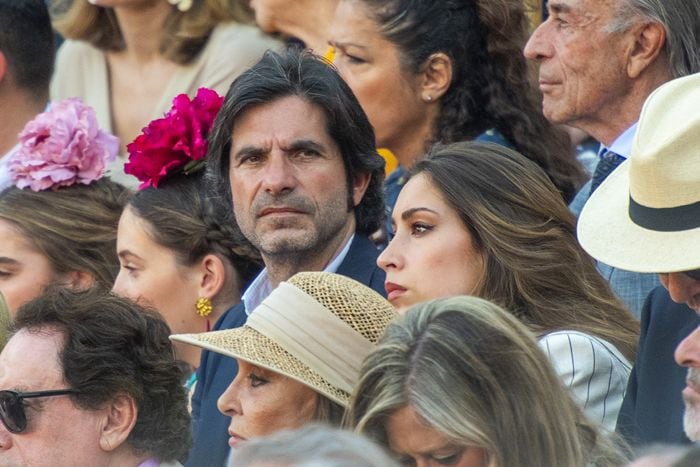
81,71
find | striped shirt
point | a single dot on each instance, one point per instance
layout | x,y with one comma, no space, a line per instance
593,369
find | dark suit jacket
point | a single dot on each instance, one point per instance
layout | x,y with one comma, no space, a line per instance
652,410
215,373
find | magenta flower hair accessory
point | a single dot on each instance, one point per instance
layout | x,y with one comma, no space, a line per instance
61,147
177,142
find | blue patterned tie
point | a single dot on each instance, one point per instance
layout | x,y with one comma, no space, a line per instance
605,166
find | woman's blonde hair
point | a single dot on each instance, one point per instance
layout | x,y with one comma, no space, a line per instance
75,227
534,265
473,372
185,34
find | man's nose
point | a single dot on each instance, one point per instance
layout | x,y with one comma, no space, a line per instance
278,175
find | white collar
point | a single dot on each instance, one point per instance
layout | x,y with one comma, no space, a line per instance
622,144
261,286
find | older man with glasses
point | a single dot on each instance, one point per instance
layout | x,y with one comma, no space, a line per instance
89,379
652,202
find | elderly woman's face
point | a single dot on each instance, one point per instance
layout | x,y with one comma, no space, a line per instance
24,270
389,94
414,442
432,254
261,402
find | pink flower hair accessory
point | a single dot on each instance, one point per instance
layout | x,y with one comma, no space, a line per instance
61,147
177,142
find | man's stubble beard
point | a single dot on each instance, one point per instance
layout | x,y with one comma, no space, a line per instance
691,417
311,235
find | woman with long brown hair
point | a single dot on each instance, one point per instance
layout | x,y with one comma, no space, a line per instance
480,219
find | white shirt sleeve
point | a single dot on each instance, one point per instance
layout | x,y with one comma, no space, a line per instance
594,370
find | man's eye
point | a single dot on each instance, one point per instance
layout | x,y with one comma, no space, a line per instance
307,153
253,159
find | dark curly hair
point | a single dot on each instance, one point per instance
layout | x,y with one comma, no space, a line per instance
300,73
113,346
182,217
490,86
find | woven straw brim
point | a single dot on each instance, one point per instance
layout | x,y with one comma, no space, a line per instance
607,233
248,344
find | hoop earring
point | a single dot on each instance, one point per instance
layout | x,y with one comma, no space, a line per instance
204,307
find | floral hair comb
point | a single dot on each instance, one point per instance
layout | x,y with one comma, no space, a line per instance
176,141
61,147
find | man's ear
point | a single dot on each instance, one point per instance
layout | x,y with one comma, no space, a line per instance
119,419
436,77
649,41
359,186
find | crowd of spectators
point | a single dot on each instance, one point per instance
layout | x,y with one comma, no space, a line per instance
207,257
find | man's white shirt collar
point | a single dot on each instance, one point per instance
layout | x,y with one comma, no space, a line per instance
261,287
622,144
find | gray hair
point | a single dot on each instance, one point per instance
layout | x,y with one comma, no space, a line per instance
313,445
680,19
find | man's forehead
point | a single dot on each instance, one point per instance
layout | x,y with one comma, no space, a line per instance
582,6
283,121
30,360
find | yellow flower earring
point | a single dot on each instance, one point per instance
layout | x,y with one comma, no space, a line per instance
204,307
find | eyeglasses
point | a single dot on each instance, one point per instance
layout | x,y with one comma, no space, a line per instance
12,407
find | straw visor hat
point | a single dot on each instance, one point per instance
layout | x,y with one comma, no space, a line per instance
316,328
645,216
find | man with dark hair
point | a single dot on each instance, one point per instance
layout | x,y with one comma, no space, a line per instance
26,65
294,150
90,379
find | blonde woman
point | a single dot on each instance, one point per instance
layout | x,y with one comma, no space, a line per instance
461,382
129,59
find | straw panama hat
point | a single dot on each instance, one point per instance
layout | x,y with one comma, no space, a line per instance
645,216
315,328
